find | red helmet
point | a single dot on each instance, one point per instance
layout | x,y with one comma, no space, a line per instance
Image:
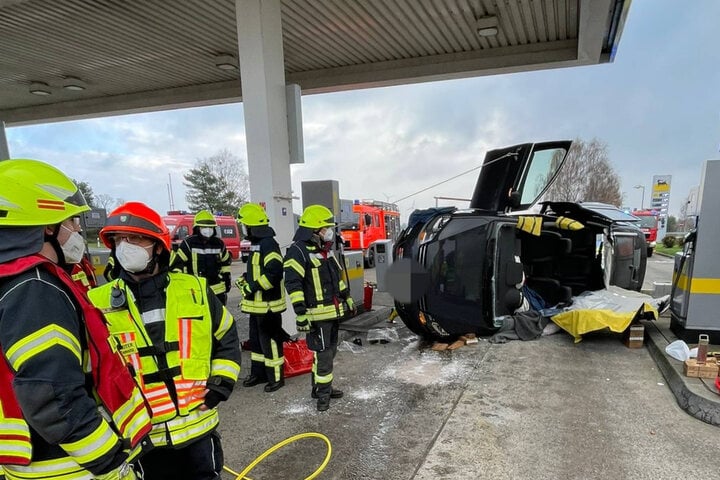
135,217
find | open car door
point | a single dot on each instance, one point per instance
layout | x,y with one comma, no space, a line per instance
514,178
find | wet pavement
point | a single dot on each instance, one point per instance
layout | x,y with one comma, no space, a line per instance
545,409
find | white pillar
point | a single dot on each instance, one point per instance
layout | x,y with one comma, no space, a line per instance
4,149
262,72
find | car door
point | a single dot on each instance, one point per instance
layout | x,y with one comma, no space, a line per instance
514,178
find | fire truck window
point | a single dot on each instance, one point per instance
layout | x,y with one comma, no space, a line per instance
227,231
182,232
376,220
368,219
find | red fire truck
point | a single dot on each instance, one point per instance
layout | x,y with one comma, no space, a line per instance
649,220
180,224
364,222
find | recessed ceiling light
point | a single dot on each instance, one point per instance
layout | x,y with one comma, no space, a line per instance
226,62
74,84
40,88
487,26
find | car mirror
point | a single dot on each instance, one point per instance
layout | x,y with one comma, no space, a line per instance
514,199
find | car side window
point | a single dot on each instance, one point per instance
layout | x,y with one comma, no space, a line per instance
542,168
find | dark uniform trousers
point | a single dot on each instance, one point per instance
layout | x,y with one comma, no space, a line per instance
200,460
266,340
323,340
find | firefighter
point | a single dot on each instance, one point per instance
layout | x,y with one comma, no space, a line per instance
52,385
204,254
319,295
180,341
263,298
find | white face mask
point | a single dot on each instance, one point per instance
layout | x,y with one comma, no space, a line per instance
207,232
74,247
133,258
328,235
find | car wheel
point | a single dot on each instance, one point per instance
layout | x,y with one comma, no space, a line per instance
650,252
370,260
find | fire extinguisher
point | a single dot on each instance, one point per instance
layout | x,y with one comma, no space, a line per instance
367,296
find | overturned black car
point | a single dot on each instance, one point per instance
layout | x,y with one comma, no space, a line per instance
462,271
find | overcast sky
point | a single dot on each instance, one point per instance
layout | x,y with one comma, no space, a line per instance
657,106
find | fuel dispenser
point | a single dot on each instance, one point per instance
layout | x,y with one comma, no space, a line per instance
383,260
695,307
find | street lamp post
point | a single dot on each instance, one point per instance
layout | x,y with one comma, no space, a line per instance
642,200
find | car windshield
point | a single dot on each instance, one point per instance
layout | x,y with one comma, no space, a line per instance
348,226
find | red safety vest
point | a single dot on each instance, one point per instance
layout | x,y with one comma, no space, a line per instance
112,381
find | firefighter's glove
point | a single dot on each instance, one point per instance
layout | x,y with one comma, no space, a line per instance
302,323
239,282
123,472
351,306
246,290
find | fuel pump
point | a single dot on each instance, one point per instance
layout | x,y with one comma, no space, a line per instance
696,274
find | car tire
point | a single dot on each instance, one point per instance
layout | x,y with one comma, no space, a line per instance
650,252
370,260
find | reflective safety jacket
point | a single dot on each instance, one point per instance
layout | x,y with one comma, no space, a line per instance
264,274
83,274
204,257
86,431
173,374
313,279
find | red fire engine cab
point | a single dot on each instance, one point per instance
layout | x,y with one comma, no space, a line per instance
364,222
649,220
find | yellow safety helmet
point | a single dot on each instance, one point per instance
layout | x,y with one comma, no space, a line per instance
34,193
204,219
252,215
316,216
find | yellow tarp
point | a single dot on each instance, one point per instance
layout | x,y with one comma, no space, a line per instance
580,322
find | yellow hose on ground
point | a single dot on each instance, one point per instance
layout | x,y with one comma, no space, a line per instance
278,446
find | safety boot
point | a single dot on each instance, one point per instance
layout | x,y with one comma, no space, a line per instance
323,403
334,394
252,380
272,386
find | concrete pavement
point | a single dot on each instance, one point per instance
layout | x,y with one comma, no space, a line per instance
547,409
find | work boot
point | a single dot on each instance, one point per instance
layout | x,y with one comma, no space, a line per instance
272,386
334,394
252,380
323,404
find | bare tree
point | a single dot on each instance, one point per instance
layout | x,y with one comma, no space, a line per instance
218,183
587,176
103,200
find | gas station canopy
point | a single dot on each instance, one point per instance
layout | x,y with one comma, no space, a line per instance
69,59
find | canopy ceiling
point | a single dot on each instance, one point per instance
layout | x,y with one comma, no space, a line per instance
134,56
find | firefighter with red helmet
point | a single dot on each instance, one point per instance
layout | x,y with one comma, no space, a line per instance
204,254
319,295
263,298
179,340
58,370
